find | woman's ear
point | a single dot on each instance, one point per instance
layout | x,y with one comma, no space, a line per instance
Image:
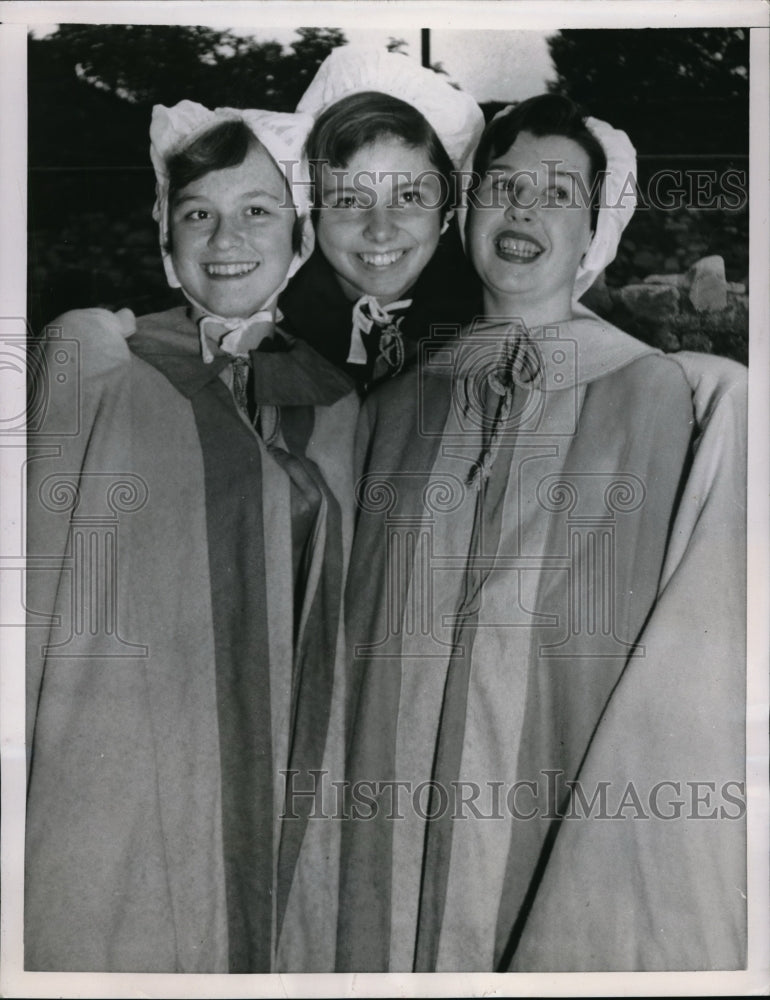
447,219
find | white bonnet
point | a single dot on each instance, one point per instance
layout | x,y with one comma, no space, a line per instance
353,69
283,136
617,203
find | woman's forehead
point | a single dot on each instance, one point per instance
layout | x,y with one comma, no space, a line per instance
557,153
257,171
387,153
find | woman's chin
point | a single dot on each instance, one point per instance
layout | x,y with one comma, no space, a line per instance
535,306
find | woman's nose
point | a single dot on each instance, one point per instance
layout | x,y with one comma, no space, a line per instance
380,226
227,233
522,202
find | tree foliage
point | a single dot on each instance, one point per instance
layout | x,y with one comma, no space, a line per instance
674,90
91,86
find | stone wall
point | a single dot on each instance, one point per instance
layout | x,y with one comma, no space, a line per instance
698,310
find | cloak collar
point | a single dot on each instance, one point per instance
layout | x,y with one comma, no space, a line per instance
572,353
287,372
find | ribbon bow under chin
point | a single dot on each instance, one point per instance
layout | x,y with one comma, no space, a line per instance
235,337
367,312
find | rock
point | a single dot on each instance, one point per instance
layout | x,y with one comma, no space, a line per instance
677,280
669,342
737,287
652,302
708,286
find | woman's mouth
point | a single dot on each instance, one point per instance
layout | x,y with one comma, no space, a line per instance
235,270
518,249
381,259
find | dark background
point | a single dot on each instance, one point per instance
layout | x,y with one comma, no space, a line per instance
681,94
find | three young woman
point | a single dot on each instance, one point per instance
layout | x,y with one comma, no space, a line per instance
528,596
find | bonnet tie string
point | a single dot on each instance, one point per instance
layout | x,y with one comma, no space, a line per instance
237,338
518,363
368,313
234,336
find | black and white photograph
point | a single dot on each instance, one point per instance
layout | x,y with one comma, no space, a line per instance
384,560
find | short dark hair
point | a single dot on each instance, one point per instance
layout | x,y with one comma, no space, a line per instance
546,114
360,119
224,145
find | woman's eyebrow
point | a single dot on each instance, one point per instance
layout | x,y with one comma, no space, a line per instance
180,199
552,169
260,194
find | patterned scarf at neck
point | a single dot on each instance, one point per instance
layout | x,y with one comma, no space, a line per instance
369,314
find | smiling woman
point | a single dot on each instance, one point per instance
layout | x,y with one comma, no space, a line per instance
529,241
387,137
379,228
209,662
231,243
547,595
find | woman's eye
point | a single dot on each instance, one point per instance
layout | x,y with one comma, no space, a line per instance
198,215
346,201
256,211
558,193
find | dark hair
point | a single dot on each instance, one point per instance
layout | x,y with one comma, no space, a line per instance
360,119
224,145
547,114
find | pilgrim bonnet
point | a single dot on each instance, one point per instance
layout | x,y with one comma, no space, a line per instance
616,206
353,69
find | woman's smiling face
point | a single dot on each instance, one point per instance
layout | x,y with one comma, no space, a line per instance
529,226
231,235
380,218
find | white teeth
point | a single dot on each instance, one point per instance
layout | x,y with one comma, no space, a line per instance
229,270
382,259
522,248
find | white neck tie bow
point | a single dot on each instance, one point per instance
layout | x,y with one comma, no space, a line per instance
366,312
